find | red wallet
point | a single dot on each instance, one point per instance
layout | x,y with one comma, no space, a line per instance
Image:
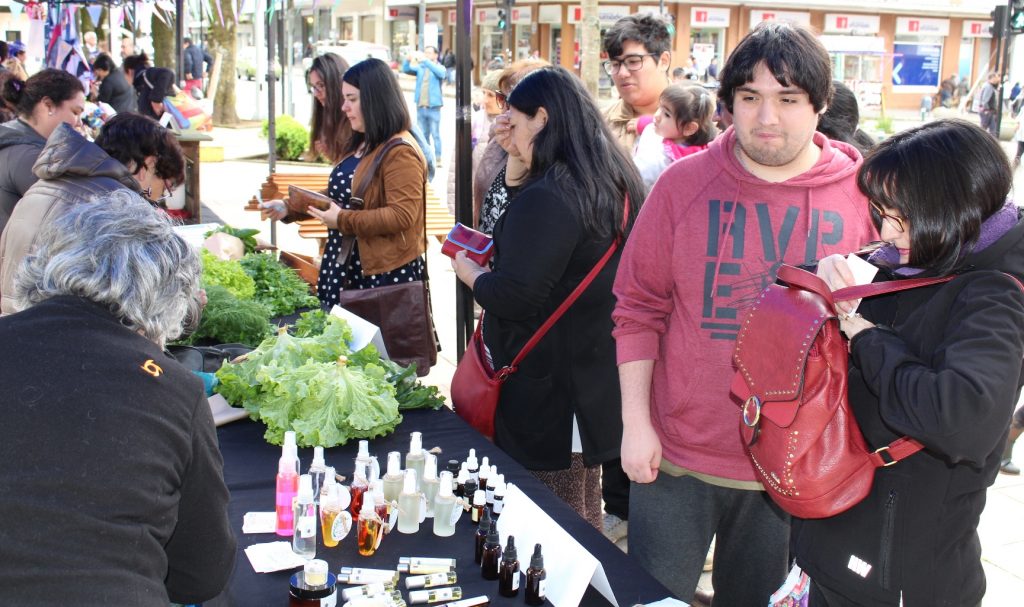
478,246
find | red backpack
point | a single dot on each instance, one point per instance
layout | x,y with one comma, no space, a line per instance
791,379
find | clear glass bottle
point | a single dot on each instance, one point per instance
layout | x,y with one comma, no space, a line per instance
393,479
317,471
430,484
446,510
304,513
409,505
368,529
416,458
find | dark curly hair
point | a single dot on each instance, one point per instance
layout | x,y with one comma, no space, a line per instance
645,28
131,138
56,85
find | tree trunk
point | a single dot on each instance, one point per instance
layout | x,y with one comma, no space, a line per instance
590,54
224,39
163,44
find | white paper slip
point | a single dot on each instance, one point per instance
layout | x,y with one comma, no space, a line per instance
363,332
259,522
273,556
668,602
223,412
863,273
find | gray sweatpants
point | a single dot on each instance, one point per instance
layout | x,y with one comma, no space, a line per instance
672,521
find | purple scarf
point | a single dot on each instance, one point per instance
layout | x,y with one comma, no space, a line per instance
992,229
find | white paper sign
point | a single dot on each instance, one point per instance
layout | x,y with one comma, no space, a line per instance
259,522
570,566
223,413
273,556
363,332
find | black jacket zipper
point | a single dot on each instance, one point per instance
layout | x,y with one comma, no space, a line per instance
888,530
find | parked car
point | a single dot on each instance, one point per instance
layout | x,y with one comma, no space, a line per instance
246,60
352,51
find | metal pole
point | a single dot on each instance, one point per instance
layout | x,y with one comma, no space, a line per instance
271,77
463,160
179,50
421,24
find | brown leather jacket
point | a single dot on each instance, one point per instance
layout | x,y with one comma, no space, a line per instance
390,227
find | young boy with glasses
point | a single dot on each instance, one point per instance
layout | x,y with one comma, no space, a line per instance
638,48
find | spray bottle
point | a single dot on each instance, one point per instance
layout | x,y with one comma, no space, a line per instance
416,459
446,510
409,505
430,483
304,512
317,470
287,485
393,479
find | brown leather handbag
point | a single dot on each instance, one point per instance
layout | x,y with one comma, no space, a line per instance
791,380
402,311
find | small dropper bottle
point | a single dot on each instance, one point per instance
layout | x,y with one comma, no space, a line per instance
476,512
409,505
470,490
471,465
490,560
415,459
492,484
287,485
316,471
535,577
430,483
485,471
393,479
460,483
481,535
499,495
453,467
508,571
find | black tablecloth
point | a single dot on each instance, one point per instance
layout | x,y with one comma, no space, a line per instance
250,466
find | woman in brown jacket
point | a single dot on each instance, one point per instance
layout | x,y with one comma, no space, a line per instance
376,226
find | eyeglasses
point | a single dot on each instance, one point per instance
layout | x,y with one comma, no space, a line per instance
159,202
502,100
632,62
894,221
319,87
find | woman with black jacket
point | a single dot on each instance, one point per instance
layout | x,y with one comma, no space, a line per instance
560,414
940,364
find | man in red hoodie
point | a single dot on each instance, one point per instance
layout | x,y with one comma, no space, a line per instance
710,237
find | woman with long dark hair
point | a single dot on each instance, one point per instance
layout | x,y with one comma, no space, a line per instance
938,364
329,130
560,413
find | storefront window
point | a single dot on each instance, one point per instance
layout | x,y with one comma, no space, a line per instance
492,46
707,43
403,39
917,62
524,41
556,45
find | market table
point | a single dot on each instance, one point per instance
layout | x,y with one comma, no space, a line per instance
250,466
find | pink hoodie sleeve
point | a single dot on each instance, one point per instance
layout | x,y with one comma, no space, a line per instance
644,281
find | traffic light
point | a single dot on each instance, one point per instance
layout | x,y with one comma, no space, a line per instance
998,27
1016,17
503,22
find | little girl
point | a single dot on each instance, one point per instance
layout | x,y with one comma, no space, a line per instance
682,126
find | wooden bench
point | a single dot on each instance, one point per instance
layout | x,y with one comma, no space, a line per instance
439,220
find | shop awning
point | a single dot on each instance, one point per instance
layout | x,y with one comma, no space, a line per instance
857,45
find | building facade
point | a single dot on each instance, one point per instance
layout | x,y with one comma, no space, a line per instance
888,52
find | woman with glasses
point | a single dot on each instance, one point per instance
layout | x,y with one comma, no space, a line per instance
132,152
329,130
938,364
568,213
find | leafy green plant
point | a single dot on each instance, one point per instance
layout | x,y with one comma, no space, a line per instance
277,286
227,319
227,274
291,137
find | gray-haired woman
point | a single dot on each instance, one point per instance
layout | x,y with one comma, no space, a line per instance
111,465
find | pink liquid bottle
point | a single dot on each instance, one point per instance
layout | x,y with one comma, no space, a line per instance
287,485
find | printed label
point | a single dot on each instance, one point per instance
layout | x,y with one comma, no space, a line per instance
330,601
499,504
543,586
306,527
342,525
515,580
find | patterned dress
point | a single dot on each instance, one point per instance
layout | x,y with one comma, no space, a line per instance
336,274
